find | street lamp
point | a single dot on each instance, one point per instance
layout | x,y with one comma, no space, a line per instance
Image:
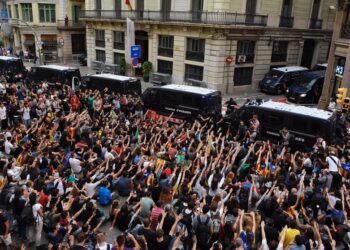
38,47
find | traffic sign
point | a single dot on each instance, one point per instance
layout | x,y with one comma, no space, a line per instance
229,59
135,62
135,51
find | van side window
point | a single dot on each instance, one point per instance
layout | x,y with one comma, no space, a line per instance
169,98
273,120
153,96
294,75
191,100
299,124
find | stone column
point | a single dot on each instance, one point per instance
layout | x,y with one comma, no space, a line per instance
328,83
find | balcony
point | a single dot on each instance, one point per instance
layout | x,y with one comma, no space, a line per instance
195,56
279,57
345,31
100,43
70,25
315,23
216,18
119,45
165,52
286,22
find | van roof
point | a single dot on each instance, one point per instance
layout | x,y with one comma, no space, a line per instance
316,74
9,58
323,64
291,69
190,89
57,67
114,77
301,110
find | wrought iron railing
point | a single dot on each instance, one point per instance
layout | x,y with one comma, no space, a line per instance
204,17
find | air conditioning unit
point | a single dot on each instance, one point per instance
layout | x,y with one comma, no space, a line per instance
196,83
241,59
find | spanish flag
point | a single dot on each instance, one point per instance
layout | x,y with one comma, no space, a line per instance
127,2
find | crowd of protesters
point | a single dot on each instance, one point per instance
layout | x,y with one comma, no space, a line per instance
78,166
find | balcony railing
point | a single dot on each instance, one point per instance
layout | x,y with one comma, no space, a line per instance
195,56
286,21
100,43
165,52
218,18
70,24
345,32
119,45
279,57
315,23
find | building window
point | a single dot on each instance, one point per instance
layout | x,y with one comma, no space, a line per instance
9,11
16,11
47,13
27,12
165,67
279,51
193,72
118,58
100,38
118,40
166,46
243,76
245,52
195,49
100,55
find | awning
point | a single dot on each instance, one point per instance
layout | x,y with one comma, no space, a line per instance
28,43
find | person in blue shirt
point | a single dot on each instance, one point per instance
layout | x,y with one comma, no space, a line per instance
104,194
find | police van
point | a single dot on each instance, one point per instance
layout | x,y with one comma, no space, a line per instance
304,123
116,83
185,102
54,74
12,68
279,79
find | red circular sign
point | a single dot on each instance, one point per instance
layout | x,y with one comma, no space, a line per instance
135,61
229,59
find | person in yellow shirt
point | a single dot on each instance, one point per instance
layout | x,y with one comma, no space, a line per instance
291,232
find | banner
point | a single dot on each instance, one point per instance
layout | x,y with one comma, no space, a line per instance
130,39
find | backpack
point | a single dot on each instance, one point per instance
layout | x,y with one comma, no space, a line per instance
216,222
187,220
202,231
27,215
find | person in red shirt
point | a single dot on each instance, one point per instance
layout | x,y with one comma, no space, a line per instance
74,102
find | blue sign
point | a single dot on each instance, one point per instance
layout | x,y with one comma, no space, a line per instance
135,51
135,61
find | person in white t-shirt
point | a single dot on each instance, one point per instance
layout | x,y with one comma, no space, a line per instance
26,115
3,116
36,230
333,162
9,147
75,164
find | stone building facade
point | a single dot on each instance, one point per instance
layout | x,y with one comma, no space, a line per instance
194,40
50,28
338,71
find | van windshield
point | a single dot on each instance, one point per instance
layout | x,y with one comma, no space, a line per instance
273,75
307,81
